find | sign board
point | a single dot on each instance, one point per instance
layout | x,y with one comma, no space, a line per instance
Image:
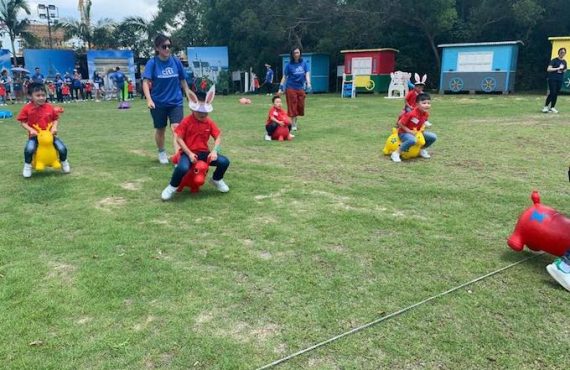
475,61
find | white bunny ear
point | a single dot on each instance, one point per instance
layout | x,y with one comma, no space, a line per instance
211,95
193,103
424,78
417,78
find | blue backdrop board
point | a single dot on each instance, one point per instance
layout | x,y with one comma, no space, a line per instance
50,61
5,59
207,61
105,62
319,66
483,66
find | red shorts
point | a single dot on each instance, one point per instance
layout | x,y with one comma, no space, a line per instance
295,102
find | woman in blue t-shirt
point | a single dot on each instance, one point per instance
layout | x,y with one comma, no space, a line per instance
167,76
296,77
555,69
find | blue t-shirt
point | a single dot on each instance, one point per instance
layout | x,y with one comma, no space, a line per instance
38,77
269,76
119,78
295,73
165,77
58,83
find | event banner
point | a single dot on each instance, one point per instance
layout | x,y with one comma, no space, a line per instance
105,62
207,61
49,61
5,59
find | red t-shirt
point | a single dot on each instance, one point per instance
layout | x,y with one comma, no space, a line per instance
197,133
88,87
277,113
2,90
411,98
40,115
130,88
65,90
414,120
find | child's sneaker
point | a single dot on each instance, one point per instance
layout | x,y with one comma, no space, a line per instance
294,127
65,167
424,154
427,123
168,192
545,110
220,185
554,110
162,157
27,172
395,157
267,137
560,272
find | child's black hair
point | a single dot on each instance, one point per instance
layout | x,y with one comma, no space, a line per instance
423,96
275,97
35,87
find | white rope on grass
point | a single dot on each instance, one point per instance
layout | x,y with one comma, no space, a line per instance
394,314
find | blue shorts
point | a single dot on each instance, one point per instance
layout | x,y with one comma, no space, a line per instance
161,116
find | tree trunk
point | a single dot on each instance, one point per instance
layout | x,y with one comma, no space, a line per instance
13,51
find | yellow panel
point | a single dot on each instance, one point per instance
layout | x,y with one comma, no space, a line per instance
361,81
557,43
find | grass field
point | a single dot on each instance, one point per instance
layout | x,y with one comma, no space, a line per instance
316,236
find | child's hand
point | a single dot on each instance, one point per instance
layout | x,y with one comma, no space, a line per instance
212,156
193,157
33,132
53,130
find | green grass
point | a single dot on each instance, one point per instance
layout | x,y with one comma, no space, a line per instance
316,236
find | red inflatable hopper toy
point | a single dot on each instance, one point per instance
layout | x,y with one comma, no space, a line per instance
281,133
541,228
194,178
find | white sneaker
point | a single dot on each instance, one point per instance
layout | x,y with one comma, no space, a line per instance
267,137
560,272
291,135
27,172
168,192
545,110
554,110
162,157
294,127
65,167
424,154
220,185
427,123
395,157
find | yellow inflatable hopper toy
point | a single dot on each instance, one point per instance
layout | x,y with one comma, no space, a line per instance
46,155
393,143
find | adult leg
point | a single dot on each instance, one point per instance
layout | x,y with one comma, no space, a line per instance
557,86
551,92
175,116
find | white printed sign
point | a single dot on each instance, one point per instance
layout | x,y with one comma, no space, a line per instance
475,61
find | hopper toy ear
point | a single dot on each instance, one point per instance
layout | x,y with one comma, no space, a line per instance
193,103
36,126
49,126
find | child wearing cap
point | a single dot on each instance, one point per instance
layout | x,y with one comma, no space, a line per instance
192,135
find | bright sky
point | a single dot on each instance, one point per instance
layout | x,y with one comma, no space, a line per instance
117,10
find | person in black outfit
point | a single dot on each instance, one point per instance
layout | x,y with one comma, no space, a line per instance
555,70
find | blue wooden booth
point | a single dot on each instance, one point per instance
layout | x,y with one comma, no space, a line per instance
319,66
484,66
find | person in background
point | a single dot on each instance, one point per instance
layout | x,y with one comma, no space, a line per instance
267,85
118,77
296,78
98,84
555,69
37,77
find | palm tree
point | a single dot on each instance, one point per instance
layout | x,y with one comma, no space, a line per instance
137,33
99,35
10,24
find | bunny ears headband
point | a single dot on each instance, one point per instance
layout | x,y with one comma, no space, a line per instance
419,81
205,105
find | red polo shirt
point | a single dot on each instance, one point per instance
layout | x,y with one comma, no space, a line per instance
40,115
414,120
277,113
197,133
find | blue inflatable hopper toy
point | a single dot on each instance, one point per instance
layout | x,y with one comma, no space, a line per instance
5,114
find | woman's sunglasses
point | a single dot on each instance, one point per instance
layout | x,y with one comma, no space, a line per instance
165,46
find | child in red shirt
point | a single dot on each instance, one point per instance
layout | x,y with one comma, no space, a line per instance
66,91
131,90
192,135
2,94
412,122
38,112
88,90
51,92
277,117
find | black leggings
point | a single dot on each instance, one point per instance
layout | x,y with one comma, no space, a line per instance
554,87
